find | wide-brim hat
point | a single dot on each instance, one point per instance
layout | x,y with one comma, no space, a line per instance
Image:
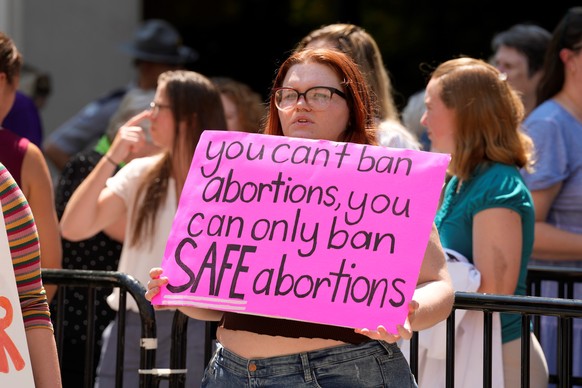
158,41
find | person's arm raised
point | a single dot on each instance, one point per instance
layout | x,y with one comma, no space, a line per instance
93,207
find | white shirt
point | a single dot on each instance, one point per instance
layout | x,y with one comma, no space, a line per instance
138,260
468,338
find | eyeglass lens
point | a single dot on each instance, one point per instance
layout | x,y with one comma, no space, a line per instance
316,98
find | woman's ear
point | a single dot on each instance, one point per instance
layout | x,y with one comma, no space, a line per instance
5,88
565,55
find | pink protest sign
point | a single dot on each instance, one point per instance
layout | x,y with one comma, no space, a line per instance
309,230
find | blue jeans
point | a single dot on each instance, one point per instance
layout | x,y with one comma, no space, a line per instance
371,364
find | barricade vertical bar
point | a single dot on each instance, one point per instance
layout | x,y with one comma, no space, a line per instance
525,350
487,347
179,349
570,289
561,370
148,333
59,321
90,343
121,338
209,340
569,337
450,362
535,289
148,330
414,355
562,293
569,340
564,351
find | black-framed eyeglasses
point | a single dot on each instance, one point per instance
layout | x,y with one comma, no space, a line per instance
155,107
317,97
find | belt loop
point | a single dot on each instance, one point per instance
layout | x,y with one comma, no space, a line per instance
388,348
306,368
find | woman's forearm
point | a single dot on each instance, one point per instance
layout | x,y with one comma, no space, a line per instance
82,218
435,301
556,244
43,357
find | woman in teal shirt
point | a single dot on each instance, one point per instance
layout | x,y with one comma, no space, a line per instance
487,212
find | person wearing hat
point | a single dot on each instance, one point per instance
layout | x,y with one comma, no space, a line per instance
155,48
76,148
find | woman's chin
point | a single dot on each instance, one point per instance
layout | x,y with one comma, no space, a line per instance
301,133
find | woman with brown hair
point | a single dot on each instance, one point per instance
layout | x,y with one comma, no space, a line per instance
487,213
321,94
144,194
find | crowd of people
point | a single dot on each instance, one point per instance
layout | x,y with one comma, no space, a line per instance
512,198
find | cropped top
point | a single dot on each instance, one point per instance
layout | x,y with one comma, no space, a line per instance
288,328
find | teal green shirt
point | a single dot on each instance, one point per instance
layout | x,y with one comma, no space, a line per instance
493,185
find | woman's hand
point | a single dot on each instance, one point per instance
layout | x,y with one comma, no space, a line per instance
130,139
404,331
157,281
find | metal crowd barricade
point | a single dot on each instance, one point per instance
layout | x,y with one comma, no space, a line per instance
93,279
177,372
529,307
565,278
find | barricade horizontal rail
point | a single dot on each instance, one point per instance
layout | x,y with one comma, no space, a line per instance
65,278
546,272
526,306
531,305
564,277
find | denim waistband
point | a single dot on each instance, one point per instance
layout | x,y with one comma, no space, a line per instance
301,362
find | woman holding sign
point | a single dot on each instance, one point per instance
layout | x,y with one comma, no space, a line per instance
321,94
487,213
145,193
25,254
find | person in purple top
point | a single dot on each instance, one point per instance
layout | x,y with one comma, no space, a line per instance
24,119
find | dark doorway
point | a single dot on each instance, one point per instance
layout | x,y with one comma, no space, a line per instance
247,39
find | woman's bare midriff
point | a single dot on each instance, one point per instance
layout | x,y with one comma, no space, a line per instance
253,345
